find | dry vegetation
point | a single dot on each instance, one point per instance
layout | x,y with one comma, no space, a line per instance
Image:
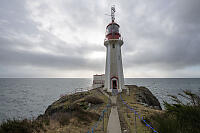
74,113
135,100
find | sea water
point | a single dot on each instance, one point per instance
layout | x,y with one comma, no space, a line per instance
28,97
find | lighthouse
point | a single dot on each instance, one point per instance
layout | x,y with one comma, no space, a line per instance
114,77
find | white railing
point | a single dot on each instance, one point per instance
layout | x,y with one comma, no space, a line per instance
120,38
78,90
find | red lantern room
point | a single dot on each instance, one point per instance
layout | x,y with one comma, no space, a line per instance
112,30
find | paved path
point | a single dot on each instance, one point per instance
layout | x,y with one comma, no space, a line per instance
113,122
113,100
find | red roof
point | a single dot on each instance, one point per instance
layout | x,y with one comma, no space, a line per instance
112,23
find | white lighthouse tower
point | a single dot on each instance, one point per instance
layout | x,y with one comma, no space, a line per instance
114,77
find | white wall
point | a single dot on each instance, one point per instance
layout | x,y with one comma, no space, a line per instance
98,80
113,64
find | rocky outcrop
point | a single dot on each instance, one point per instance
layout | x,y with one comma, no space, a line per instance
76,110
144,96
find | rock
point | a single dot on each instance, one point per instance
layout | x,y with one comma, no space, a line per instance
125,131
144,95
157,107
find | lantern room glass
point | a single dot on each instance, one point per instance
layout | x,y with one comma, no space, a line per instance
112,28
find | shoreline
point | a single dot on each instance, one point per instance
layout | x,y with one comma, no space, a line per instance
79,111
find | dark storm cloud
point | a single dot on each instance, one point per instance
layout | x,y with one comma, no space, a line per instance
159,36
46,60
67,58
164,35
20,36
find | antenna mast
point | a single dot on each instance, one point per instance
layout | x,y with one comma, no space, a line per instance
113,13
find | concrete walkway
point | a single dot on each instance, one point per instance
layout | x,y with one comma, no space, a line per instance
113,122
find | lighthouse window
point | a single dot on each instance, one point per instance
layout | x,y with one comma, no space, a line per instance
115,28
113,45
112,28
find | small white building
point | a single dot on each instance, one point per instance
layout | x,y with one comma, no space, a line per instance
98,80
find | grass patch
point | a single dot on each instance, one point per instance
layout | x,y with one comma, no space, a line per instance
94,100
127,117
62,118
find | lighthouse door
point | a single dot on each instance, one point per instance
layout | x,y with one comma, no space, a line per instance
114,83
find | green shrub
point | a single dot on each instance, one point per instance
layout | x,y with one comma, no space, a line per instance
84,105
179,117
20,126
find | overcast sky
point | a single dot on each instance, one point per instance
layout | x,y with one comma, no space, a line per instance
65,38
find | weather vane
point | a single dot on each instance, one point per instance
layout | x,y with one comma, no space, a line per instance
113,13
